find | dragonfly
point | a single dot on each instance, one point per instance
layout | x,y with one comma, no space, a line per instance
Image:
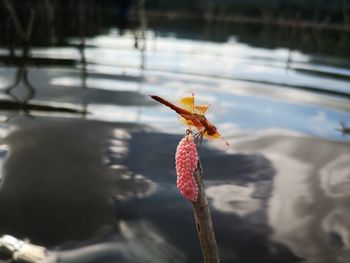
194,116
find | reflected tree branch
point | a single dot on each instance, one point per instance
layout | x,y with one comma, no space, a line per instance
50,11
344,129
23,33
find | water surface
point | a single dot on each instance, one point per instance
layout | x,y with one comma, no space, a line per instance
87,159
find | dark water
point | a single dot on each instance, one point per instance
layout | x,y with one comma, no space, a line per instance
87,159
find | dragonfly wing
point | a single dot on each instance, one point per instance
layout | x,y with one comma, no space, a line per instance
184,121
217,140
216,135
187,103
187,120
201,109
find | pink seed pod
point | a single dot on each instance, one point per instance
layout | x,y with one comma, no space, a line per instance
186,159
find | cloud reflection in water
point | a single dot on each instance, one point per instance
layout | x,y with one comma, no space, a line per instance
138,242
308,209
335,177
233,198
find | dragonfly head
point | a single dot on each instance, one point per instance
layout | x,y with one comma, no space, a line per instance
212,130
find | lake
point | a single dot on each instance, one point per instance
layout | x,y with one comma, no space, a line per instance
87,158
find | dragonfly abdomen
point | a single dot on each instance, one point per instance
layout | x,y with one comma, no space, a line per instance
170,105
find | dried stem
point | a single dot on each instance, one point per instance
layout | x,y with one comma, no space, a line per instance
203,221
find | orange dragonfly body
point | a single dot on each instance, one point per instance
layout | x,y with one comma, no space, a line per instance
193,115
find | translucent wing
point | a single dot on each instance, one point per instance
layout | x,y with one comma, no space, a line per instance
217,140
187,103
216,135
201,109
187,121
184,121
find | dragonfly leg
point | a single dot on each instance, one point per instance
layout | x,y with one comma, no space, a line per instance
188,131
199,137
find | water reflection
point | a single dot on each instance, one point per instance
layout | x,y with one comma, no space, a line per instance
335,177
48,197
239,220
138,241
306,193
87,159
233,198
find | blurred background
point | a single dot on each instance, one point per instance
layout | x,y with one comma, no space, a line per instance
87,159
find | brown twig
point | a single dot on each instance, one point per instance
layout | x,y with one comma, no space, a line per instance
203,221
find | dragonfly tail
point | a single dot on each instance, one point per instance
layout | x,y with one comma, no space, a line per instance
171,105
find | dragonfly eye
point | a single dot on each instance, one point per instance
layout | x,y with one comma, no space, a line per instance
212,130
